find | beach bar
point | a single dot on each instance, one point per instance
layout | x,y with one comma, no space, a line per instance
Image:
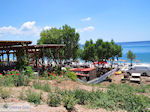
85,73
13,52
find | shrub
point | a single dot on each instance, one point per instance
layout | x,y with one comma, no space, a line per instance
45,87
57,69
33,97
7,80
54,99
82,96
28,70
21,80
44,73
124,96
69,101
99,99
116,97
4,93
71,75
37,85
134,103
143,89
14,78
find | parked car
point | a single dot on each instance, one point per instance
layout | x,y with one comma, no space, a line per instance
142,69
135,77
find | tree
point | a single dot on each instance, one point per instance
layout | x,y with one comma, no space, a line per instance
89,52
52,36
101,51
64,35
70,38
131,56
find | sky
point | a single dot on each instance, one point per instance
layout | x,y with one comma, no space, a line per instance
120,20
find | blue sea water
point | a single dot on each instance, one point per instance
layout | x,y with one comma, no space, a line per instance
141,49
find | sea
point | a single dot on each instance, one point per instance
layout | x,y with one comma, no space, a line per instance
140,48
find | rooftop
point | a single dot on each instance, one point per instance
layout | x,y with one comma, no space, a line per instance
11,43
82,69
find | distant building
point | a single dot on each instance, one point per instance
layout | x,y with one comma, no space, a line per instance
85,74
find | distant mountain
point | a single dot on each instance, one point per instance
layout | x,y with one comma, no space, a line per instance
134,42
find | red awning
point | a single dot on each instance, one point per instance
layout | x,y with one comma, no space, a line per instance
82,74
101,62
82,69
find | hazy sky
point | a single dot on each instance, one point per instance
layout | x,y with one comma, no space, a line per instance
121,20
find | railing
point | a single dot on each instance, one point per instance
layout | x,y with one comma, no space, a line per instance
102,78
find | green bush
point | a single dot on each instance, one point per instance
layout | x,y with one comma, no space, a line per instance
4,93
21,80
33,97
69,101
99,99
136,103
71,75
143,89
37,85
82,96
28,70
116,97
45,87
54,99
125,98
7,80
44,73
14,78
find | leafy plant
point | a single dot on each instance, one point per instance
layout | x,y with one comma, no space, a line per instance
69,101
28,70
21,80
82,96
7,80
54,99
71,75
45,87
131,56
33,97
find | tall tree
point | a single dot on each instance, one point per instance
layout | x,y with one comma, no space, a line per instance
64,35
131,56
70,38
51,36
101,51
89,52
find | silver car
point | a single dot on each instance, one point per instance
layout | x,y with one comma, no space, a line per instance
144,70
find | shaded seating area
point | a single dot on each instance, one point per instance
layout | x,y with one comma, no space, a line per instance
13,53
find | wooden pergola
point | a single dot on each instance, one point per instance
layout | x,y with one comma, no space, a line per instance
16,48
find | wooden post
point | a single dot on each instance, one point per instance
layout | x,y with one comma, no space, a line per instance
8,56
36,58
14,56
2,56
